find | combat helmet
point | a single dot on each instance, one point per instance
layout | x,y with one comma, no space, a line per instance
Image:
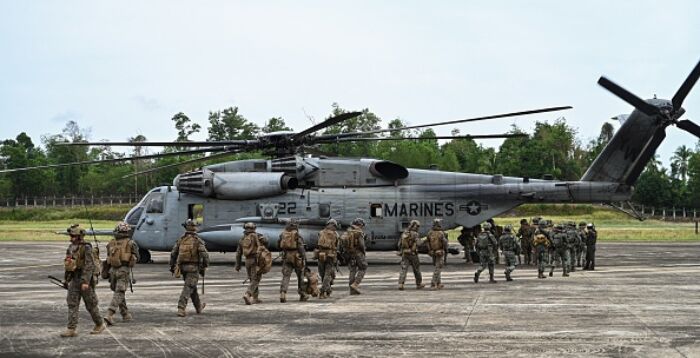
292,224
582,224
249,226
414,225
332,222
76,231
508,228
486,226
437,223
524,221
358,222
190,225
121,230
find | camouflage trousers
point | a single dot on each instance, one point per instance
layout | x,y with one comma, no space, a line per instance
118,282
590,258
254,277
190,276
414,262
287,269
527,255
89,298
357,267
581,255
510,261
485,260
541,259
560,256
572,259
439,262
326,271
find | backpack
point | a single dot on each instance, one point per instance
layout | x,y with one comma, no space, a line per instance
188,251
483,241
558,240
327,239
119,252
435,240
263,259
249,244
288,240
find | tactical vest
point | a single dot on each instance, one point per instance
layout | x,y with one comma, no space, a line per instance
249,244
483,241
288,240
508,243
188,252
540,240
263,258
327,239
435,238
572,237
119,253
408,243
559,240
75,260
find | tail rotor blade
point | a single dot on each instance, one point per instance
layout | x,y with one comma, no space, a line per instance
689,126
685,88
628,97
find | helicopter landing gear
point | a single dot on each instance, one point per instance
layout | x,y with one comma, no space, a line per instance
144,256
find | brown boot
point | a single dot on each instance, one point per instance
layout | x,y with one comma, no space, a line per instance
248,300
355,289
98,328
70,332
420,286
401,287
201,307
181,312
256,300
322,296
126,317
283,297
303,297
109,318
439,286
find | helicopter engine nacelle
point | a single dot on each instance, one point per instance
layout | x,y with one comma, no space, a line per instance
234,186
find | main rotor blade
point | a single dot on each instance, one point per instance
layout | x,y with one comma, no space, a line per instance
685,88
327,123
504,115
475,136
689,126
166,144
628,97
114,160
195,160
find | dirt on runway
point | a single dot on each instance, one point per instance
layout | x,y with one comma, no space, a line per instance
642,300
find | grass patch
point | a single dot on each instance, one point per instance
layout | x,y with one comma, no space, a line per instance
116,213
46,230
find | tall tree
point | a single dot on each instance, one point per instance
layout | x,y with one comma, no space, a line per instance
679,160
185,127
18,153
229,125
67,178
275,124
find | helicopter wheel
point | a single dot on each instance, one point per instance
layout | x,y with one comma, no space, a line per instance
144,256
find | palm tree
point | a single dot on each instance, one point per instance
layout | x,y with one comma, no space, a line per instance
680,161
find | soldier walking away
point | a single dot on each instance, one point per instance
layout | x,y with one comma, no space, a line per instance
353,243
466,239
496,231
251,247
573,241
122,255
541,245
327,256
525,233
189,259
486,244
581,252
294,259
591,239
510,249
437,249
408,249
561,251
80,278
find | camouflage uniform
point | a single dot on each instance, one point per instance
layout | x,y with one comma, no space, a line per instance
437,249
591,240
581,254
525,233
561,251
573,241
486,244
510,249
353,243
190,259
466,239
496,231
122,255
327,256
248,248
408,249
80,277
541,244
294,259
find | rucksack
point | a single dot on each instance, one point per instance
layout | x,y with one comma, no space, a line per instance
119,252
327,239
482,241
249,244
288,240
435,240
263,259
189,250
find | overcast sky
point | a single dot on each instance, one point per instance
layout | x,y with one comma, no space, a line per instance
123,68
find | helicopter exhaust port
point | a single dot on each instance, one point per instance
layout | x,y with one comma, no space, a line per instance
234,186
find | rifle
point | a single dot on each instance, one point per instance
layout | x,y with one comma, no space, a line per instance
202,285
132,280
59,283
97,243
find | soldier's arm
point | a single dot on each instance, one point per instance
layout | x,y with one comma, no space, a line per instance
174,252
134,250
203,253
88,266
239,255
362,243
263,240
300,246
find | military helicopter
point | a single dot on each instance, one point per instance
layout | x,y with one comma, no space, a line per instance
312,189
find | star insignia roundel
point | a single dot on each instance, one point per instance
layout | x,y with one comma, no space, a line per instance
473,207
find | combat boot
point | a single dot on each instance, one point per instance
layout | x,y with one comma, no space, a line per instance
109,318
200,308
70,332
256,300
355,289
565,274
508,278
181,312
303,297
420,286
491,279
247,299
126,317
401,287
439,286
322,296
551,273
573,268
98,328
283,297
476,277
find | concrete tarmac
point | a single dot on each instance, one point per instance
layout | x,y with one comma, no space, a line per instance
642,300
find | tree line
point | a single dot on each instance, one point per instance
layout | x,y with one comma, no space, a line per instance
553,148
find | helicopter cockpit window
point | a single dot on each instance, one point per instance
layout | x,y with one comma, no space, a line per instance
324,210
375,211
134,216
155,203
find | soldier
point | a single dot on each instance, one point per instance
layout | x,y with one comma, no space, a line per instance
525,233
486,244
573,241
561,251
437,249
294,259
189,259
353,241
466,239
250,247
591,240
122,255
80,272
510,249
408,249
581,252
327,256
541,245
496,231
